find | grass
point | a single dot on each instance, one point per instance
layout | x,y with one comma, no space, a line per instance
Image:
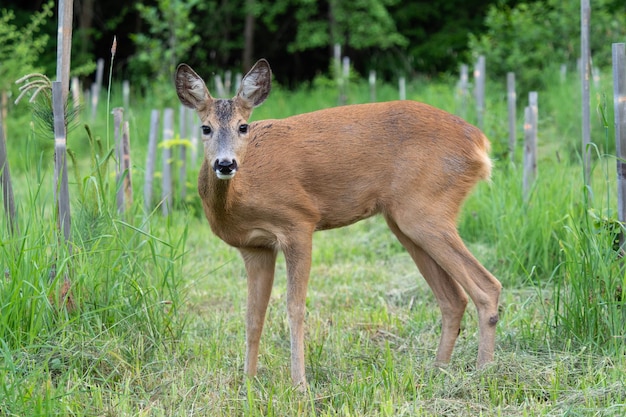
154,325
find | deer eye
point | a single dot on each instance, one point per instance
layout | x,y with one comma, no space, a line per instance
243,128
206,130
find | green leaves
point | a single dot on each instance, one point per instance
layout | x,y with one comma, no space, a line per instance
20,48
357,24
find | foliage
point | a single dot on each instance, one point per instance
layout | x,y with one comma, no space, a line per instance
356,25
21,47
171,35
531,37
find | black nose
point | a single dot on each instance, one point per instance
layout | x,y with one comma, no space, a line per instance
225,166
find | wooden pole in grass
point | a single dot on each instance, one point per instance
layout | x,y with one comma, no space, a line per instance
118,115
531,116
64,46
126,93
464,88
151,160
60,159
585,70
619,102
128,183
194,129
182,172
372,82
5,180
512,103
96,87
479,90
166,178
402,88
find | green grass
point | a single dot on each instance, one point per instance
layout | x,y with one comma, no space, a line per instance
155,324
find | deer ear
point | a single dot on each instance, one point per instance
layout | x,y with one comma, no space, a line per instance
191,89
256,85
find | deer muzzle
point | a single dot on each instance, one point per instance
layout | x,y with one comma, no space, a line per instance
224,168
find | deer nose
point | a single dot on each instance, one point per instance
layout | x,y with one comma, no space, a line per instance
225,168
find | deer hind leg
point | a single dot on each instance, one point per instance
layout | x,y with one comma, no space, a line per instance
441,241
260,264
450,296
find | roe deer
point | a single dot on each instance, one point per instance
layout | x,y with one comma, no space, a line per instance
267,186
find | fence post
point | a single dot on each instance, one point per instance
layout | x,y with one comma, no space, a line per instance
118,116
5,180
60,159
182,173
531,117
511,101
166,178
96,87
464,87
372,81
150,160
479,90
585,15
126,164
402,88
619,102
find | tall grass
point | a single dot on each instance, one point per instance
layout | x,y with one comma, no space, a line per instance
92,315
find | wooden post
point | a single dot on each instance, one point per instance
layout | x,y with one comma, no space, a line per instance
337,71
585,15
118,115
238,77
402,88
512,103
96,87
5,180
372,82
126,93
219,86
464,88
166,178
126,164
228,77
75,89
151,160
182,173
60,159
194,129
479,90
619,102
64,46
531,117
344,77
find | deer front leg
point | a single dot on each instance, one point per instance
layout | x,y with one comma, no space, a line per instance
260,264
298,259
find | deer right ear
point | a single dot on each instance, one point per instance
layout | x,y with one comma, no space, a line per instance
191,89
256,85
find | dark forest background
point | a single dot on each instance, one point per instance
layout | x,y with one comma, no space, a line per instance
392,37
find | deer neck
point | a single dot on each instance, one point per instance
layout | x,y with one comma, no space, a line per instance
217,195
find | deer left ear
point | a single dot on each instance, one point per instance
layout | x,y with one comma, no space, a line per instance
256,85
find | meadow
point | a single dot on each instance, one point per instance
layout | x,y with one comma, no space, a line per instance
144,316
